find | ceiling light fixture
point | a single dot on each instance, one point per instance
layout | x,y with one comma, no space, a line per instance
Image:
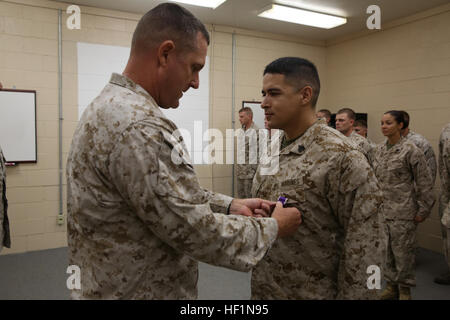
300,16
202,3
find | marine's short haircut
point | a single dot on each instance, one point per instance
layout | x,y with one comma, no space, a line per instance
326,112
406,119
248,110
299,72
360,123
350,113
399,116
168,21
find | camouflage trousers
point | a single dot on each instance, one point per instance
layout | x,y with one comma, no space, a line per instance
446,243
244,188
445,235
399,262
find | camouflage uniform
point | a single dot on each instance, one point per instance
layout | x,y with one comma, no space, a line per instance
5,239
373,145
363,144
246,172
444,199
137,221
331,183
423,144
398,170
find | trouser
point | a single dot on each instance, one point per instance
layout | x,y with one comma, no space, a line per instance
400,252
446,243
244,188
445,231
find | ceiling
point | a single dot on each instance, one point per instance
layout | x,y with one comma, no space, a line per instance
243,13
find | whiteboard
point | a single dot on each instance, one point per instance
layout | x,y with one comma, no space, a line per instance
18,125
96,63
258,112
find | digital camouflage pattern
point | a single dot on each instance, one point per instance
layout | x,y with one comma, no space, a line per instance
400,255
407,187
444,199
244,188
246,171
331,183
363,144
5,238
373,145
405,179
423,144
137,221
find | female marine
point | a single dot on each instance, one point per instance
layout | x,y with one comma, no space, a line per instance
407,184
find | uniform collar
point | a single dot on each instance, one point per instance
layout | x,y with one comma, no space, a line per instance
353,134
252,126
123,81
396,147
410,134
306,139
127,83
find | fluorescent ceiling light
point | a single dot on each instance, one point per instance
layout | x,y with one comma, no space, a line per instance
300,16
202,3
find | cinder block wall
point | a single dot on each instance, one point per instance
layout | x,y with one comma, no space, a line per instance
355,72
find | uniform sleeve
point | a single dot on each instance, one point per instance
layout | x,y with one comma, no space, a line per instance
168,198
431,160
445,167
218,202
359,213
444,171
424,182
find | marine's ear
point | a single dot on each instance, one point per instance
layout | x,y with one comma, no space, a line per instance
164,50
306,94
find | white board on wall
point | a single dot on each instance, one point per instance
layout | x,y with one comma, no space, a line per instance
18,125
97,62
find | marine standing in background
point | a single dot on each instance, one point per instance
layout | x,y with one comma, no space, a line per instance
360,127
444,199
408,197
345,118
422,143
323,175
246,171
324,113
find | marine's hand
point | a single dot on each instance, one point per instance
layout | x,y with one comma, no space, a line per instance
289,219
251,207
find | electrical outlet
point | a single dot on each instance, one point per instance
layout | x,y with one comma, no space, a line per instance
60,220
